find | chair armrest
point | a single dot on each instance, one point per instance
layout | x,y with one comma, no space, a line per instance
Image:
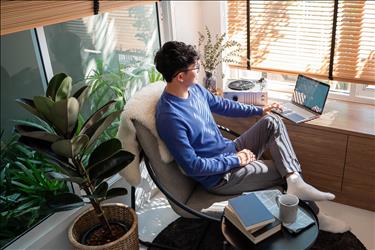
228,130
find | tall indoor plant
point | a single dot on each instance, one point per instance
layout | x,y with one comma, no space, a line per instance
67,142
213,52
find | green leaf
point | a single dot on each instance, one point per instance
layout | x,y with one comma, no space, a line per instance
45,148
44,126
54,85
101,190
29,106
81,95
63,92
64,201
44,105
113,192
97,115
65,115
70,148
110,166
34,132
104,150
62,177
98,128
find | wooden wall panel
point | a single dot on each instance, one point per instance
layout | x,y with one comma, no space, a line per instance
321,154
359,176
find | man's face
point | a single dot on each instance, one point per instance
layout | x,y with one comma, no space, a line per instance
189,75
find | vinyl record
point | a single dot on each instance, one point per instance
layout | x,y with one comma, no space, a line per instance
241,84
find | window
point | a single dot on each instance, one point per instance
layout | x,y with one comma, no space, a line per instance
112,51
307,37
329,40
23,180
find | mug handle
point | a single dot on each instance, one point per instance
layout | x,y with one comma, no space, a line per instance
277,200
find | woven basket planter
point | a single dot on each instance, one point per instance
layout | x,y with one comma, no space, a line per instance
114,212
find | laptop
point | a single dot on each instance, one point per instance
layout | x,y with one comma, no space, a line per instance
308,101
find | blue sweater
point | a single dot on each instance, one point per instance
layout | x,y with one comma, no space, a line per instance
191,135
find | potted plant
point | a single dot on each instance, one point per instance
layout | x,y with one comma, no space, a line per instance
213,52
67,141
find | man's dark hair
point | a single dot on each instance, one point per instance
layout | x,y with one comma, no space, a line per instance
173,57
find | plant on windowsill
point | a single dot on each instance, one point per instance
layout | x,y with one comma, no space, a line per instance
67,143
213,52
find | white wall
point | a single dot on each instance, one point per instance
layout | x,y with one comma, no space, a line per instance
189,17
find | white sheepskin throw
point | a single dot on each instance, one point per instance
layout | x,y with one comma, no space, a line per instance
140,107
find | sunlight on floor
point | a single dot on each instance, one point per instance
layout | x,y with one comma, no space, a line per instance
155,215
361,221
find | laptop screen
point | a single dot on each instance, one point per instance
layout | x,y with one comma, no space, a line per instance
310,93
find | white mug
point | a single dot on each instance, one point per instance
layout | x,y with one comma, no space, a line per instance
288,206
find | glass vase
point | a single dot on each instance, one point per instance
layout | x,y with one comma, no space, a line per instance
210,82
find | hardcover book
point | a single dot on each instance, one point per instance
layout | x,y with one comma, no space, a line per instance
256,234
250,211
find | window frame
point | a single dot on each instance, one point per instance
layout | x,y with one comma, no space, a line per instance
37,235
356,92
331,71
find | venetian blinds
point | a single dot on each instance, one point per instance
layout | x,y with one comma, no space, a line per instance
23,15
324,39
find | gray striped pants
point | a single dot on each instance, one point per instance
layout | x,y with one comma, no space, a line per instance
268,133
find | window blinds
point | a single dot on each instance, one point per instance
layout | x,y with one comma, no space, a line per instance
23,15
355,42
305,37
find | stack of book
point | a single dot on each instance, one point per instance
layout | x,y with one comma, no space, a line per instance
251,217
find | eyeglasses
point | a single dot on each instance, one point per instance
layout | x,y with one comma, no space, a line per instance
197,67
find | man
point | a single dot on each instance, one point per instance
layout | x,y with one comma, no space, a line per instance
185,123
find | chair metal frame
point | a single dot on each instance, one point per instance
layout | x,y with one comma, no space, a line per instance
167,193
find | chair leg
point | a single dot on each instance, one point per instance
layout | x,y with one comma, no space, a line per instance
132,197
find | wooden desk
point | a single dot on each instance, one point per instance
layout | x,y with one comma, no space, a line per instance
336,151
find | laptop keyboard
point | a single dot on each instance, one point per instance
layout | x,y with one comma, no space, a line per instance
294,116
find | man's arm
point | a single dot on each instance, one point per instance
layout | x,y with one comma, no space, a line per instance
226,107
174,135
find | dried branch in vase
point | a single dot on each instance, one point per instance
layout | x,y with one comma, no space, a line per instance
213,52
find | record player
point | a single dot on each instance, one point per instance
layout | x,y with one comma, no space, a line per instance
247,91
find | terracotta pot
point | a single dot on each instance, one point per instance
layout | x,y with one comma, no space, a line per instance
114,212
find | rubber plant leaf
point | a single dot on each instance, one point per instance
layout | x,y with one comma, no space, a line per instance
97,115
63,177
44,106
98,128
54,85
104,151
101,190
110,166
63,92
29,106
37,133
44,147
70,148
81,95
65,115
114,192
64,201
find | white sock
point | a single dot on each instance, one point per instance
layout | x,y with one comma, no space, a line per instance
332,225
304,191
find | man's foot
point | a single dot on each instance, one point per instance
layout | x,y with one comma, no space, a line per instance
304,191
332,225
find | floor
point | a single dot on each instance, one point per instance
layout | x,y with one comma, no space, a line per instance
156,214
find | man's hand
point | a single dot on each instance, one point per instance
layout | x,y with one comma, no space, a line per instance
267,108
245,156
